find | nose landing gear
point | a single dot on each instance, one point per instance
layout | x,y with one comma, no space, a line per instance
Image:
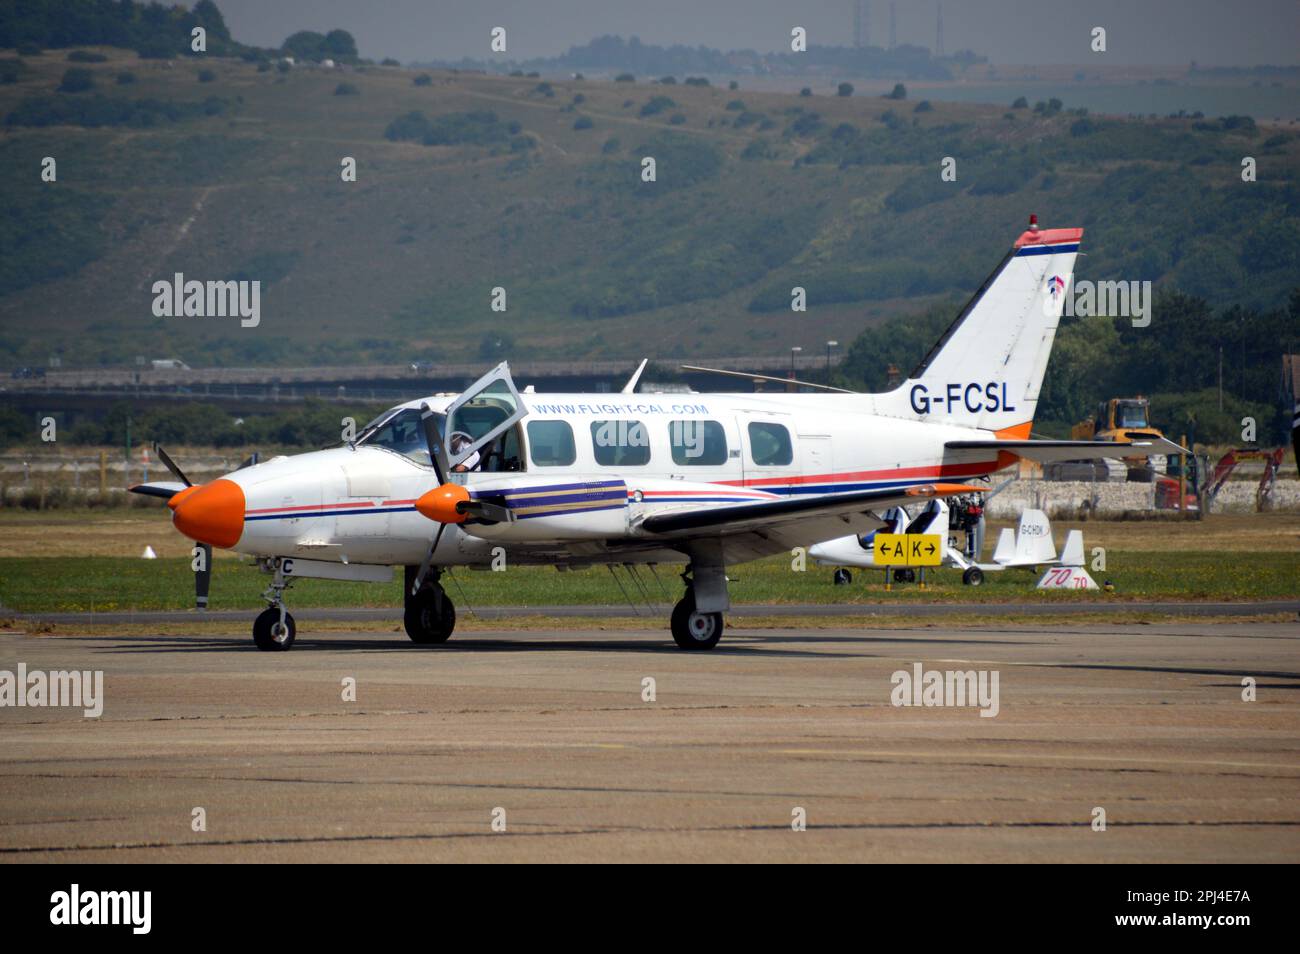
274,629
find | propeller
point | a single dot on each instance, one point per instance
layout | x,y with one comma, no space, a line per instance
202,552
202,566
448,502
433,427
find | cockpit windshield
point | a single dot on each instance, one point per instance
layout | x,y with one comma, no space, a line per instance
403,432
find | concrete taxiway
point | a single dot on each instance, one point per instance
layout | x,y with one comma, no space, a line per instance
551,732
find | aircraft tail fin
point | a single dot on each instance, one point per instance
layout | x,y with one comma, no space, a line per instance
1034,539
987,369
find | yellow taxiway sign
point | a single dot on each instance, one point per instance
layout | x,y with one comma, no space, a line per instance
908,549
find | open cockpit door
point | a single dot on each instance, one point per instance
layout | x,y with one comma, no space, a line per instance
487,409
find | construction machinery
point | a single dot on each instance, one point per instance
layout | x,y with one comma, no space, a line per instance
1228,462
1122,420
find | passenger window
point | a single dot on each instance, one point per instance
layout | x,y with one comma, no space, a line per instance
769,444
620,443
698,443
550,443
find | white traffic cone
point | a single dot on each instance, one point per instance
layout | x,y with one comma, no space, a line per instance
148,554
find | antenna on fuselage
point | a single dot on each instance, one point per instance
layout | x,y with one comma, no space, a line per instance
766,377
630,387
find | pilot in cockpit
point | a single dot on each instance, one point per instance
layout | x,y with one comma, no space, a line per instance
459,441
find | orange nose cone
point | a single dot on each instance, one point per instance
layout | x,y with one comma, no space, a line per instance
440,503
176,498
212,513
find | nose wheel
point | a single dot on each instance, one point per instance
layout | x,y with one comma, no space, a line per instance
274,629
692,629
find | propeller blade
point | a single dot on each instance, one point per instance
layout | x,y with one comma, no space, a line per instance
171,465
433,439
203,577
166,489
251,461
428,559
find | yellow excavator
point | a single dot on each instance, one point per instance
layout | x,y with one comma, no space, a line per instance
1122,420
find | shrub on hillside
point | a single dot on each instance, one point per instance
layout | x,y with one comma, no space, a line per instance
656,105
77,80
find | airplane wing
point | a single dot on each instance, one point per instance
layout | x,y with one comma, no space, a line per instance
1048,451
806,515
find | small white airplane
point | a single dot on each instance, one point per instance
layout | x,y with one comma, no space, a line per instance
1028,547
707,480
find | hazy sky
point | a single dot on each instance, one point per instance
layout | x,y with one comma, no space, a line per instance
1212,32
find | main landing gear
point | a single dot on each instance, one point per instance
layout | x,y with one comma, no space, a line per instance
696,622
693,629
274,629
430,614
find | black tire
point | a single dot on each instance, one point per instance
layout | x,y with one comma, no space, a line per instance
692,629
267,634
430,616
842,577
900,576
910,575
973,576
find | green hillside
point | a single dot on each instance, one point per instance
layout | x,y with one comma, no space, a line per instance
466,182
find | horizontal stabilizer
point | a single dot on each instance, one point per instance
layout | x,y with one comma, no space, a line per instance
1072,555
1006,548
1047,451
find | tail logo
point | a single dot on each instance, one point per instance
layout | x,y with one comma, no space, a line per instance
1055,286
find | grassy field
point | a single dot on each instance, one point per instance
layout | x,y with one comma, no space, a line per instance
91,562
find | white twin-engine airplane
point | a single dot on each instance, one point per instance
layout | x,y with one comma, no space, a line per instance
707,480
